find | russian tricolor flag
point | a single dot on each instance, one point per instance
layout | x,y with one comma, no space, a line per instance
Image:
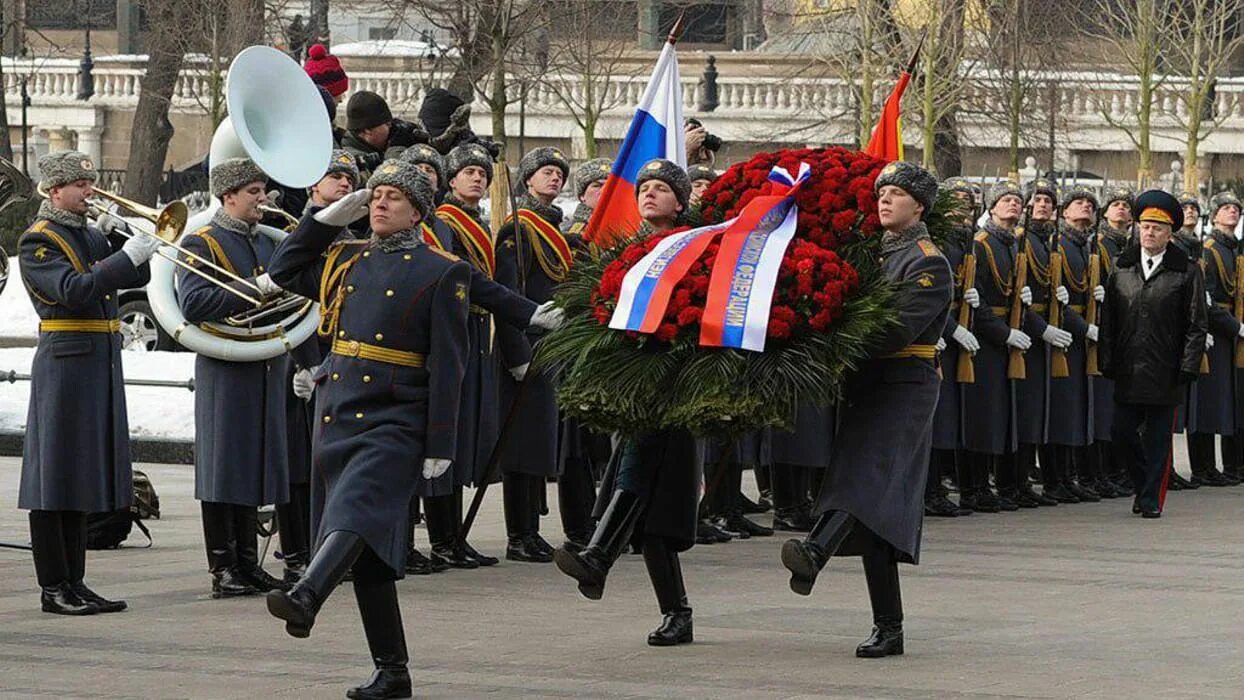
655,132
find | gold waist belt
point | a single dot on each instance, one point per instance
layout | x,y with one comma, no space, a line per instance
353,348
81,325
927,352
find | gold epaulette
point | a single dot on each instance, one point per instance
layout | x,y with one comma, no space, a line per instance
444,254
1209,243
929,248
982,236
201,230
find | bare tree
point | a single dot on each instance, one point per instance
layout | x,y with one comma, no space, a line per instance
939,79
1211,36
152,131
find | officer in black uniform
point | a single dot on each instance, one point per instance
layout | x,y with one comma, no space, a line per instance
872,502
533,257
241,453
396,310
76,456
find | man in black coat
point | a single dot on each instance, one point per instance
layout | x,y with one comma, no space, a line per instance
1152,339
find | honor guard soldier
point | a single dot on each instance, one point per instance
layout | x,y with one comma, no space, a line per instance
1152,340
1188,240
76,456
388,393
533,257
469,170
240,444
1104,474
989,416
959,345
1218,408
872,502
1031,408
701,176
589,180
294,518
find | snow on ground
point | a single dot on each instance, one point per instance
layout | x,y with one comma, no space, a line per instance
154,412
17,314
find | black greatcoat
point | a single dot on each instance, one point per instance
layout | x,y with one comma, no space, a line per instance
880,459
1217,396
988,404
531,446
665,469
809,444
77,450
1071,397
240,440
948,419
1153,331
377,420
1032,394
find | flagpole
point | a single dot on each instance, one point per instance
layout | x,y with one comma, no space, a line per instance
676,31
915,57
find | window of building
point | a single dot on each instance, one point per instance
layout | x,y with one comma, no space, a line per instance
72,14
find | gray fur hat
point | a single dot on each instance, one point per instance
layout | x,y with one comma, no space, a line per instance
403,175
1079,192
1190,199
670,173
1119,194
958,184
589,171
538,158
232,174
64,167
1041,186
1220,200
700,171
467,154
343,162
1001,189
423,153
912,179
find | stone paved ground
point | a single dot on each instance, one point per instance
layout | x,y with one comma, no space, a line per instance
1071,602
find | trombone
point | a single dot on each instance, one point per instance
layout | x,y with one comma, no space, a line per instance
291,221
169,224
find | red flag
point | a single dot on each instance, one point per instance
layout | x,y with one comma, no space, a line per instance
887,140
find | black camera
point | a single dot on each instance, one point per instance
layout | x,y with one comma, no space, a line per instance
711,142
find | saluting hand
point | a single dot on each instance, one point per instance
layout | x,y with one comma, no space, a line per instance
346,210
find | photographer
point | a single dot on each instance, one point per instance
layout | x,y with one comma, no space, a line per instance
372,131
702,146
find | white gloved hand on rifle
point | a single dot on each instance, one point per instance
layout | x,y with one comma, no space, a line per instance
140,247
346,210
1209,340
1099,293
1057,337
548,316
972,297
1062,296
1019,340
435,468
1092,332
940,344
1025,296
966,339
1241,332
302,384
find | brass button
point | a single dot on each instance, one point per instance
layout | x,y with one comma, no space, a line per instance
358,415
108,296
341,334
336,376
388,292
352,348
366,378
328,419
349,288
406,256
366,253
380,336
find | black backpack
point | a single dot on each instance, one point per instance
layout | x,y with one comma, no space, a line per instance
109,530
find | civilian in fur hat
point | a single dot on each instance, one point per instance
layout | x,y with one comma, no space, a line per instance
76,457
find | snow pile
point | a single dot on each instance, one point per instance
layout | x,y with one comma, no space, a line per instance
392,47
154,412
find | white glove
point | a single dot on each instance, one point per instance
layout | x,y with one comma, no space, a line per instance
109,222
303,386
972,298
266,286
346,210
1057,337
941,344
548,317
141,247
1209,340
434,468
1209,300
1092,332
1099,293
1062,296
1241,333
1019,340
520,371
1025,296
966,339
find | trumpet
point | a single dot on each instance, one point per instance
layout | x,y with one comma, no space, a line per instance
169,222
291,221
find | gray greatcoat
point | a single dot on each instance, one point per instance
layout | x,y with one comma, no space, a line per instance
988,403
1032,394
1108,244
1071,397
1217,396
948,419
76,455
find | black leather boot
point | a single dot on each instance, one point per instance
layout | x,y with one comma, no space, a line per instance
790,511
61,599
591,566
246,532
520,510
442,519
539,497
665,572
805,558
299,606
219,541
975,493
294,524
881,573
382,624
576,495
73,527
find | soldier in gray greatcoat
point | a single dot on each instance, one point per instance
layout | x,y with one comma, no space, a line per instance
1188,240
388,392
872,501
76,458
240,446
589,180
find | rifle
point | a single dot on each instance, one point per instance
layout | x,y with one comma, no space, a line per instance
1090,314
967,370
1239,307
1015,369
1058,356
